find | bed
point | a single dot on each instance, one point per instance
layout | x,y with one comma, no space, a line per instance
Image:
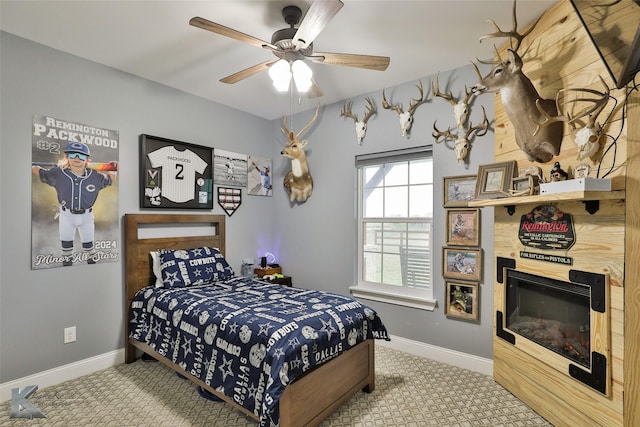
315,375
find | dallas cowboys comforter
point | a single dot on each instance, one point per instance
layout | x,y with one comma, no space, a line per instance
249,339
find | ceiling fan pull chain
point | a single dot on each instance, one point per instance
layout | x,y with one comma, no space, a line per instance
291,108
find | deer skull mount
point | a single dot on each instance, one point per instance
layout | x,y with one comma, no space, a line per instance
460,108
462,142
521,100
406,118
586,138
360,125
298,181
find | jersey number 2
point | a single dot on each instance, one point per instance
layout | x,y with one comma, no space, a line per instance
179,170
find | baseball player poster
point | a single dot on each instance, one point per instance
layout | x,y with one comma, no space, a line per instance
259,176
175,174
74,194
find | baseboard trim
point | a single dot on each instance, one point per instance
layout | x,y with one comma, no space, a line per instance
440,354
64,373
103,361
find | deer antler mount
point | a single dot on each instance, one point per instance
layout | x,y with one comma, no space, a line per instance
462,141
406,117
298,181
521,100
586,138
460,108
360,125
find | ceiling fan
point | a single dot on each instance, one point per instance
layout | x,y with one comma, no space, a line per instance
293,44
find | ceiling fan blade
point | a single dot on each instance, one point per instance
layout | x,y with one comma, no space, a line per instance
317,17
248,72
205,24
379,63
314,91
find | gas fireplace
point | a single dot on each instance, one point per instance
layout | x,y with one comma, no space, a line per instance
567,318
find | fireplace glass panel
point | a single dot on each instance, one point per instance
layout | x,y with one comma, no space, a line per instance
552,313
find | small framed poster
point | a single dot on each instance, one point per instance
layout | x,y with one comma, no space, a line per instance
463,227
461,299
175,174
459,190
462,263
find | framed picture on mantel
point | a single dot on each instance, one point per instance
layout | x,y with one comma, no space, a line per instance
494,180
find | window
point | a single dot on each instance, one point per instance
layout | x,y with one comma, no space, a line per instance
395,212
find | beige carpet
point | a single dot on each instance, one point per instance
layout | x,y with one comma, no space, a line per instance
410,392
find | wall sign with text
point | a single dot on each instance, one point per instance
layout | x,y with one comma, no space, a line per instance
547,227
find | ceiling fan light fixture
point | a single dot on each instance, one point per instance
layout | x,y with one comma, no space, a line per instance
295,43
280,74
301,75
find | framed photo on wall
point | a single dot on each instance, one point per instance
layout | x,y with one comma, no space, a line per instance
462,263
494,180
175,174
463,227
459,190
230,168
259,175
461,299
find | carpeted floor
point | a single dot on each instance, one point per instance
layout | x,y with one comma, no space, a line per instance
410,392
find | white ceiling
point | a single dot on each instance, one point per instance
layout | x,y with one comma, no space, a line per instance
153,39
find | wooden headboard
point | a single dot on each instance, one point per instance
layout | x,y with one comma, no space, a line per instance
138,264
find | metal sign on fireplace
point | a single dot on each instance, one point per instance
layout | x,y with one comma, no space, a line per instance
547,227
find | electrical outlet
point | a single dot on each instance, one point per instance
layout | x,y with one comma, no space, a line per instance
69,334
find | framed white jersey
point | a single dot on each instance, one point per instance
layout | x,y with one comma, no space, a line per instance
175,174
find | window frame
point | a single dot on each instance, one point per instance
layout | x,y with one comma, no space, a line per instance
405,296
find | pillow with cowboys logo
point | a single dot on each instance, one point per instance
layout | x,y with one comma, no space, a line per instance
189,267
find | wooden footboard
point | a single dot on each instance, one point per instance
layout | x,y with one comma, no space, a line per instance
316,395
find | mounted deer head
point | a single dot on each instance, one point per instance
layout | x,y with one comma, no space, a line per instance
361,126
298,181
462,143
586,138
460,108
406,118
520,99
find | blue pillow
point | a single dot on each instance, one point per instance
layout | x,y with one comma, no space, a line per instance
189,267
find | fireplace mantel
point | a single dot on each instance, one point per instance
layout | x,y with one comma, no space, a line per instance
547,198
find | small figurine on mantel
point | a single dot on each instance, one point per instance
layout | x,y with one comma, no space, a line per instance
557,173
582,170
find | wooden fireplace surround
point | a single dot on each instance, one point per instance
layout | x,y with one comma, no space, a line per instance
598,375
607,227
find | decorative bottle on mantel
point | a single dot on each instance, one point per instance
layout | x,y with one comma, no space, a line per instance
557,173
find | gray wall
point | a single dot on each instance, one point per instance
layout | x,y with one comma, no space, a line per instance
37,305
315,241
